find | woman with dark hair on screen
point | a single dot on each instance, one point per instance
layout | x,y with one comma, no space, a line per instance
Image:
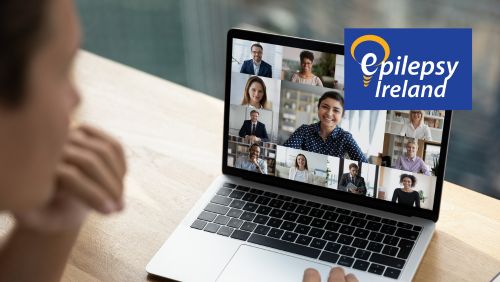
255,95
51,176
305,75
407,196
326,137
300,171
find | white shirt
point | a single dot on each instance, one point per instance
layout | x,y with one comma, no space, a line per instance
256,67
421,132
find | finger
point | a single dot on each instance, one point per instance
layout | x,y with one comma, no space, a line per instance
89,164
336,275
115,145
102,149
351,278
311,275
71,179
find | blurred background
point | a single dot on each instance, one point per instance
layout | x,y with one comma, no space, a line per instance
184,41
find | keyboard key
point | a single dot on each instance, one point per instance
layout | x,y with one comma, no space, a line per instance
275,203
261,219
318,243
288,206
344,219
360,243
274,222
358,214
373,226
291,216
263,210
256,191
304,219
289,236
270,194
361,233
284,246
221,200
262,200
251,207
329,257
277,213
375,236
235,213
331,216
240,235
261,229
343,211
374,247
222,219
302,229
319,223
248,226
298,201
248,216
236,194
316,213
345,229
361,265
345,240
207,216
327,208
317,233
373,218
389,221
275,233
224,192
332,226
235,223
287,225
392,273
284,198
407,234
359,222
199,224
388,229
333,247
211,227
362,254
225,231
217,209
237,204
347,251
304,240
345,261
405,247
331,236
243,188
303,210
405,225
376,268
390,250
249,197
417,228
391,240
229,185
387,260
313,204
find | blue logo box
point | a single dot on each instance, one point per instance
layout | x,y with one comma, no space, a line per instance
408,68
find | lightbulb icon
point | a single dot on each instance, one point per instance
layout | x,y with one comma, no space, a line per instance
367,75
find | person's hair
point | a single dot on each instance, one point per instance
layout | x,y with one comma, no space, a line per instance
297,163
412,142
413,179
335,95
256,45
254,111
22,24
421,119
246,93
306,55
353,165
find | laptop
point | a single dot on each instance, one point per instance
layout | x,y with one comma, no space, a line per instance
305,185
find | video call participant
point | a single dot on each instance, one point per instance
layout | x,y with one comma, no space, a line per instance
300,172
252,162
325,137
305,75
254,130
411,162
415,127
255,94
351,182
256,66
407,196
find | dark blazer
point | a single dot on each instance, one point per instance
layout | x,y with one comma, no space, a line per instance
260,130
358,182
264,70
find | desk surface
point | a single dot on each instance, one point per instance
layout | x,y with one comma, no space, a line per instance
172,137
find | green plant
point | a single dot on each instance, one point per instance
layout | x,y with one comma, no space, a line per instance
421,195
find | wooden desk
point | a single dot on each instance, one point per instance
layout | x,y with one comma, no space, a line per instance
173,138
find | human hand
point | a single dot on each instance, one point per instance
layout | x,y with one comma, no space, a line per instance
336,275
89,176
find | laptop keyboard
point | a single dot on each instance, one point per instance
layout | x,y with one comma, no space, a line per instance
335,235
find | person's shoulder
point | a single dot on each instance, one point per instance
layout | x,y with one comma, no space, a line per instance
265,63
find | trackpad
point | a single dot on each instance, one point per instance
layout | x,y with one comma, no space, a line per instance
255,264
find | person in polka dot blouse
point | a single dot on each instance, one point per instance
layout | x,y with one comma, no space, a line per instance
325,137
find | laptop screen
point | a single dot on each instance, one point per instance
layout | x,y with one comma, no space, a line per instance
286,120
